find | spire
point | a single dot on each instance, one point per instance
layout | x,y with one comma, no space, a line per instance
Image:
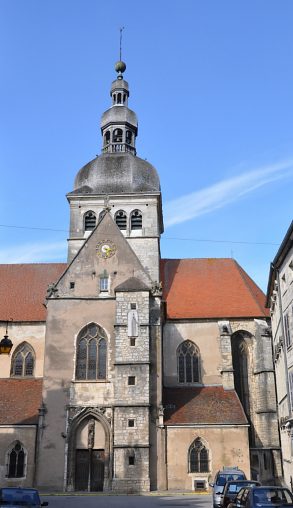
119,123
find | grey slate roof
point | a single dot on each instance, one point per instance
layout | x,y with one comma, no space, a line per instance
116,173
132,284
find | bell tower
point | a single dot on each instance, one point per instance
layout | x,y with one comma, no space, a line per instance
121,182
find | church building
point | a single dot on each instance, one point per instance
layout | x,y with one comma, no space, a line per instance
130,372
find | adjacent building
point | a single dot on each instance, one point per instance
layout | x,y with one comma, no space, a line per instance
280,302
130,372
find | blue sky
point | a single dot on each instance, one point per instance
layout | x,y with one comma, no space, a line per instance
211,82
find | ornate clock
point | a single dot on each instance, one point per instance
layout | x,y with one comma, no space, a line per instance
106,249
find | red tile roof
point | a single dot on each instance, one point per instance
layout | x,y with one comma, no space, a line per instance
23,290
210,288
205,405
20,400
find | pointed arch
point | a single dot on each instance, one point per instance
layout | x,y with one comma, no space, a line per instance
23,361
76,421
91,353
188,362
16,460
199,457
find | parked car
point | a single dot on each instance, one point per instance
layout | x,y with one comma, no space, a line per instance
223,476
257,497
17,496
232,488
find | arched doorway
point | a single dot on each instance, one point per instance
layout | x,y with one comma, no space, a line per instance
88,453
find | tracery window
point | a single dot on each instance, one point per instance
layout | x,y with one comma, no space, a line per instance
16,461
198,457
91,353
188,363
136,219
121,219
89,221
23,361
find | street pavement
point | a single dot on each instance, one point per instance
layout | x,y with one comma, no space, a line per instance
110,501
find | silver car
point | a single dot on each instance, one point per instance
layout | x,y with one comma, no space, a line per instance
225,475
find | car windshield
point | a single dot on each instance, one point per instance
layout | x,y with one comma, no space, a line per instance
271,496
234,488
223,478
19,497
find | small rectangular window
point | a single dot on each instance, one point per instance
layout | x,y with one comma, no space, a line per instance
133,306
131,380
132,341
72,284
131,460
199,485
131,422
104,284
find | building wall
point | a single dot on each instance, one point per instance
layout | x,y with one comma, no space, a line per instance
26,434
227,446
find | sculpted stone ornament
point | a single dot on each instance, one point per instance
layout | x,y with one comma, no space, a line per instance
157,288
106,249
51,291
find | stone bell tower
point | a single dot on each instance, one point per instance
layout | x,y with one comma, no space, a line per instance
120,181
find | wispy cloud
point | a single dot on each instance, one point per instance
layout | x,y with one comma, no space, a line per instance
224,192
34,253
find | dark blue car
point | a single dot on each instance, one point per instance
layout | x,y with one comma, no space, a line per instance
16,497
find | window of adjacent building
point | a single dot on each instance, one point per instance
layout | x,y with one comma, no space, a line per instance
23,361
188,362
131,380
121,219
136,220
291,386
117,135
287,330
16,461
198,457
91,353
89,221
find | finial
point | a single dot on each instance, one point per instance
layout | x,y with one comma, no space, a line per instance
120,66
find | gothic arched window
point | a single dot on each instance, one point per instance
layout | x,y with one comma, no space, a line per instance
16,461
117,136
91,353
23,361
198,457
89,221
188,363
136,220
121,219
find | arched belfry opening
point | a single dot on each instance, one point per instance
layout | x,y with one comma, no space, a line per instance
241,358
88,461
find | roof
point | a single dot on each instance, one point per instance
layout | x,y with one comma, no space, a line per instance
210,288
23,290
185,406
284,249
15,395
132,284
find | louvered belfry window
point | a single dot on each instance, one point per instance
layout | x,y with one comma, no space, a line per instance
16,461
90,221
23,361
136,220
91,354
198,457
121,219
188,363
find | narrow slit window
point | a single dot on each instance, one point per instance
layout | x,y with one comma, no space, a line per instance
131,380
104,284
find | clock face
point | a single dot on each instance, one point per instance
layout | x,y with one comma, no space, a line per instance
106,249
